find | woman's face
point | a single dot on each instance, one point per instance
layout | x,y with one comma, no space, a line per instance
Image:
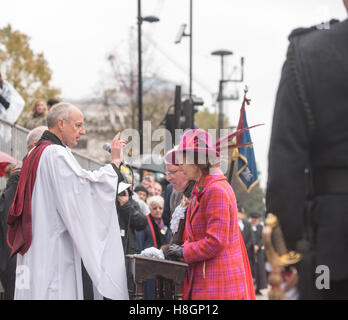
156,210
40,107
191,171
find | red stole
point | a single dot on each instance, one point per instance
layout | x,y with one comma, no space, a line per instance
19,234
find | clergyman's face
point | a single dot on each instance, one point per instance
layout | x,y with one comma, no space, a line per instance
73,128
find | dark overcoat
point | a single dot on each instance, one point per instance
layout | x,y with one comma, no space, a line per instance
309,134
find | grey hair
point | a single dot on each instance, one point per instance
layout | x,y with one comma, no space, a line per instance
35,135
155,199
58,111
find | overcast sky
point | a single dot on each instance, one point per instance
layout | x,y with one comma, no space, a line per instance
76,36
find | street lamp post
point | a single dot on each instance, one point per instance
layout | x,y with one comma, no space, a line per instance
222,54
181,34
140,79
190,90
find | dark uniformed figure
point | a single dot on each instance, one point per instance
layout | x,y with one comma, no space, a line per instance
308,157
248,236
258,268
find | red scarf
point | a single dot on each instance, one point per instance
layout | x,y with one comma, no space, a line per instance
155,244
19,234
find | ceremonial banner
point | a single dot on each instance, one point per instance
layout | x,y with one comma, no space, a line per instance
247,171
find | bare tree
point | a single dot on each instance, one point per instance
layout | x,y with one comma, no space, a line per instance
121,88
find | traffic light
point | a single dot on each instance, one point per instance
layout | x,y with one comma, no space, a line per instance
170,126
182,115
172,119
189,110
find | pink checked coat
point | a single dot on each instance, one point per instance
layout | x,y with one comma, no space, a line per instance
214,249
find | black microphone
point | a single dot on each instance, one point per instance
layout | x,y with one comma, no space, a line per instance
107,147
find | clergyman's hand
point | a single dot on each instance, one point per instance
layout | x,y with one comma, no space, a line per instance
174,252
117,146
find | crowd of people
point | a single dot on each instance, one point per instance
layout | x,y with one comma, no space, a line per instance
67,229
153,215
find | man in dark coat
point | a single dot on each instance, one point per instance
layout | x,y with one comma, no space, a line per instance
248,236
130,219
308,157
259,271
167,213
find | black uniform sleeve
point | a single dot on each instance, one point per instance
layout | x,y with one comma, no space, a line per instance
118,171
288,156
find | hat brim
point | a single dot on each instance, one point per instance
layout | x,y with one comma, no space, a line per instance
175,157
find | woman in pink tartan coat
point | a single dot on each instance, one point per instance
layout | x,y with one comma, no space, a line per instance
214,248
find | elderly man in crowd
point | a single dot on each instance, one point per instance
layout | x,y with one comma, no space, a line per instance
178,200
62,214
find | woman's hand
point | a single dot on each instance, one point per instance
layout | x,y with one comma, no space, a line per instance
175,252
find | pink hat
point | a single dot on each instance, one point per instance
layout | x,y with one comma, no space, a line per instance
200,141
196,140
170,158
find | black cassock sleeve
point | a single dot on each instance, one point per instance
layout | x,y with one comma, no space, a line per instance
288,157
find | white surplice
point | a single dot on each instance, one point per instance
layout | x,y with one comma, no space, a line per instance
73,216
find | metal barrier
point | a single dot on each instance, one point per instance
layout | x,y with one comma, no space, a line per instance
13,141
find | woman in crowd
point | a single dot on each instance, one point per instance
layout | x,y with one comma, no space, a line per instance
38,115
214,249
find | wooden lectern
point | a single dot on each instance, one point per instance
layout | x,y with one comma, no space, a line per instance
170,273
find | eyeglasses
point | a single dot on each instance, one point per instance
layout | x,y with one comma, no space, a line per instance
80,126
168,173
